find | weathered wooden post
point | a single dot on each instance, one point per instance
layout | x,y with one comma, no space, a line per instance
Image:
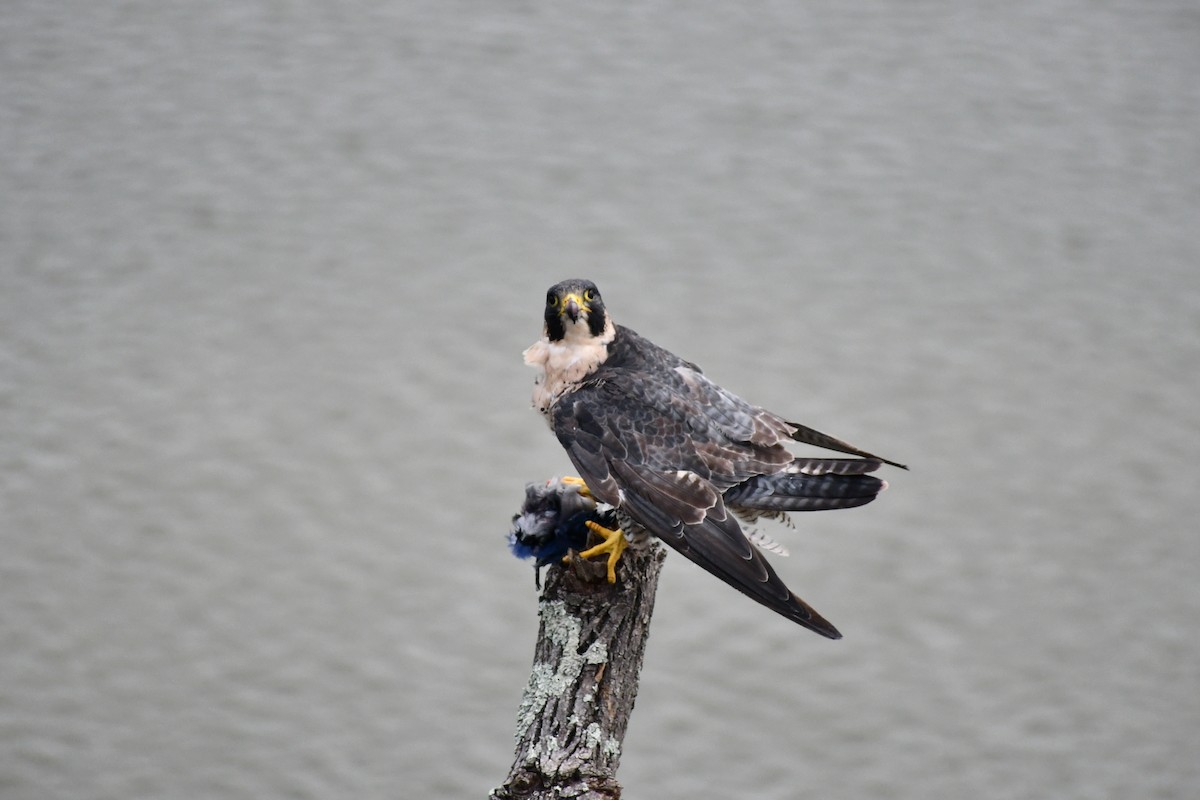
584,680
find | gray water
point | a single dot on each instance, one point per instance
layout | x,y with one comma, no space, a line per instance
266,272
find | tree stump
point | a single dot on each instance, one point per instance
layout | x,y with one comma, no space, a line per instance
576,707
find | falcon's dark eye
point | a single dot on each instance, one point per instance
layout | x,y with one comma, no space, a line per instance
589,295
552,300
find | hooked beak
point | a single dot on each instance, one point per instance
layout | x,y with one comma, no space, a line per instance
573,307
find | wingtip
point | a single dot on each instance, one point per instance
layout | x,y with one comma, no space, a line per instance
818,624
807,616
887,461
807,435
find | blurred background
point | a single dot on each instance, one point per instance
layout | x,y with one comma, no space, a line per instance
266,273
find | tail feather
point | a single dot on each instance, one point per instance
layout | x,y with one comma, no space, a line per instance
835,466
801,491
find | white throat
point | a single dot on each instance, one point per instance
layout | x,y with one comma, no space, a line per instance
562,365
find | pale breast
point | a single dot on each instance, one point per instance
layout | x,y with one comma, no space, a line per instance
561,365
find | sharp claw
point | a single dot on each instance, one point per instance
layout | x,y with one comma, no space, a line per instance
614,545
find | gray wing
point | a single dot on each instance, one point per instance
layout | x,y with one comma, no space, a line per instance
725,411
742,420
644,447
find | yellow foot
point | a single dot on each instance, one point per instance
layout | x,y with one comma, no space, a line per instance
614,544
574,481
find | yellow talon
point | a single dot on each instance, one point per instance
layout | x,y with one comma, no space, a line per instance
614,541
614,544
574,481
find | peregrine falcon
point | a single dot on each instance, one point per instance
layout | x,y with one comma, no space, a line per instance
676,454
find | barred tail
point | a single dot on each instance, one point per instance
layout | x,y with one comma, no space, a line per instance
810,484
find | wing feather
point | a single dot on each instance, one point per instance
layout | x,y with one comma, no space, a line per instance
635,450
806,435
717,545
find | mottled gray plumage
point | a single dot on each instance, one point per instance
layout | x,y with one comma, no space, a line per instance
676,454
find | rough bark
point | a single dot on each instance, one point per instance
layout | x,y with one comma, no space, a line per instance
581,691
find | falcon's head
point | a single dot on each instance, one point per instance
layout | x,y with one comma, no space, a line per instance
575,312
